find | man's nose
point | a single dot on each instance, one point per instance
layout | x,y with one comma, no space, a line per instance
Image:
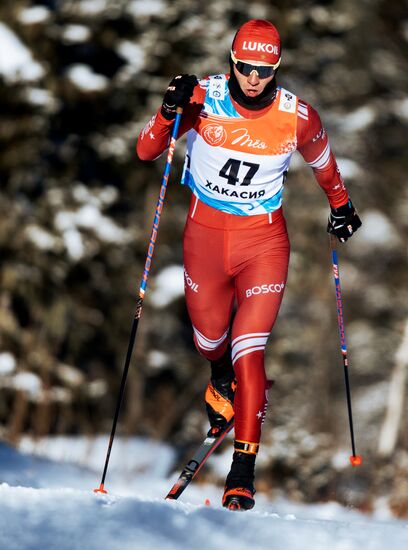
253,78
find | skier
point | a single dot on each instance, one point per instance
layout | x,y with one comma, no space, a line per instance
242,129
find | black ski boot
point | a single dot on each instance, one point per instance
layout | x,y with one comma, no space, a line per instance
239,485
219,395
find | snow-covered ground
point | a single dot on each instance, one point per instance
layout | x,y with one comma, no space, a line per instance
46,501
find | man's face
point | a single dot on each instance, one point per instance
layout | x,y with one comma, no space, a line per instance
251,85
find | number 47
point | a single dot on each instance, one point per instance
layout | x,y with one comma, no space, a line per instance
231,168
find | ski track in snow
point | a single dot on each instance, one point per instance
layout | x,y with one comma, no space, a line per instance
43,513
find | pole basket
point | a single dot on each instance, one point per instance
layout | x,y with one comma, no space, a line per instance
356,460
101,490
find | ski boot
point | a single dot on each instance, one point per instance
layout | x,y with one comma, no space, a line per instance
239,486
219,395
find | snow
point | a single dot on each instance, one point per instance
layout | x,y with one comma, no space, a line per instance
16,61
401,354
46,501
132,53
377,230
27,382
75,34
85,79
157,359
70,376
58,394
349,168
400,107
92,7
41,238
130,456
8,363
74,243
66,519
358,119
97,389
341,459
105,196
34,15
139,8
169,285
39,97
88,216
371,401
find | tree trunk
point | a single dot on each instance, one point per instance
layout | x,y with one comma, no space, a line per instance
391,425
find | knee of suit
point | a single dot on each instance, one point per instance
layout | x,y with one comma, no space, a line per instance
249,348
210,348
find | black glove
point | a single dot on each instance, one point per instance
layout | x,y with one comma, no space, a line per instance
178,94
343,221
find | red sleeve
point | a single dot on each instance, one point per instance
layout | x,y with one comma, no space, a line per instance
155,136
313,144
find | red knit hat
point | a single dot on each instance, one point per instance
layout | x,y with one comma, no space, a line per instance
257,40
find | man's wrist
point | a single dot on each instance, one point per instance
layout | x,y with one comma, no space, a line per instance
168,111
343,210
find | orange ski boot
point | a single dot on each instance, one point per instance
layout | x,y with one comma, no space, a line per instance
219,402
219,395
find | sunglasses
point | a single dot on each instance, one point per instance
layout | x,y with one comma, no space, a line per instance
263,71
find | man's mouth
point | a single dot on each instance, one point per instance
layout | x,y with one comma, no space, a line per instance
252,92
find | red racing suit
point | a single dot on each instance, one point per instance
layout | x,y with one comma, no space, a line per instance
236,247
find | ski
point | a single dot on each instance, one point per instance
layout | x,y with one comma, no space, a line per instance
198,460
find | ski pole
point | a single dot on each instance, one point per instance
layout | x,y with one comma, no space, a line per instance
142,290
356,460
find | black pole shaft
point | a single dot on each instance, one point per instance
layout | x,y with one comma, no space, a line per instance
349,408
132,338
